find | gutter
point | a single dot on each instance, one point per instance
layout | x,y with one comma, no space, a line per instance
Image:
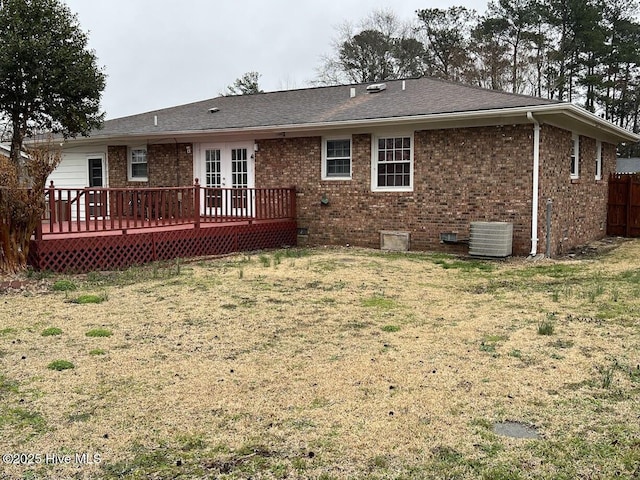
536,184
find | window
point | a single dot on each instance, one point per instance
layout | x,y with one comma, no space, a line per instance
138,164
598,160
392,164
336,164
575,158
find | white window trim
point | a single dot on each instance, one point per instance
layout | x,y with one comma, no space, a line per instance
598,160
576,153
374,162
130,176
324,175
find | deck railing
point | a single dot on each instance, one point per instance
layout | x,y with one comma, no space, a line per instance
95,209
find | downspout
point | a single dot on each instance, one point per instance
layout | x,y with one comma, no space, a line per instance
536,181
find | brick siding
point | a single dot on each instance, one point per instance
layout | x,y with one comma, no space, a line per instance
579,209
169,165
460,176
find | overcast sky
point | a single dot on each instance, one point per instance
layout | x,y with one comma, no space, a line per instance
160,53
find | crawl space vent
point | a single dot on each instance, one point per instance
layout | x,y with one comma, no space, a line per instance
491,239
394,241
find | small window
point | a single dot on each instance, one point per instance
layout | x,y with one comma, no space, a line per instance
575,158
598,160
392,164
336,163
138,171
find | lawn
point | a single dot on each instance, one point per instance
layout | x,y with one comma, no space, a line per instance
326,364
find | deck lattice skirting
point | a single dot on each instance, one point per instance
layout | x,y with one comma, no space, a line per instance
82,254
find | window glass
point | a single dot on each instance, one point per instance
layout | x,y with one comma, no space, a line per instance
575,157
598,160
338,158
394,162
138,163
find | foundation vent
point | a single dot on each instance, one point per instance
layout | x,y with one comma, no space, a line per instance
394,241
491,239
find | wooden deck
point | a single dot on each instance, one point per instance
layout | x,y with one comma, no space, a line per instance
79,237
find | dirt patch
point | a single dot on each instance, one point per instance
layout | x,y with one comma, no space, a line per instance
596,248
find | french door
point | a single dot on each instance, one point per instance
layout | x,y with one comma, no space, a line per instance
228,174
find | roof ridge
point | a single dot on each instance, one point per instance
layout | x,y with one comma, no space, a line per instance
344,85
483,89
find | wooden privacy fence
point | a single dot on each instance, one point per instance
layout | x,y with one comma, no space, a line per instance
623,209
121,209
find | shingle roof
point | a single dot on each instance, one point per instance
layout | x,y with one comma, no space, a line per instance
322,105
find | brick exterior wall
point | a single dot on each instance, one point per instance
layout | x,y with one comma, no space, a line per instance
169,165
117,166
579,209
460,176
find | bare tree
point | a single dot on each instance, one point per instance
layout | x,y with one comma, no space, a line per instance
382,47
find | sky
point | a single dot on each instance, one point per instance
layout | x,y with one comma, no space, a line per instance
161,53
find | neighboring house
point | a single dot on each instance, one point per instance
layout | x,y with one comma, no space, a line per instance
5,151
628,165
422,156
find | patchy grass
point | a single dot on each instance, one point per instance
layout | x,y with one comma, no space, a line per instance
51,331
329,364
380,302
59,365
391,328
99,332
64,285
547,326
89,298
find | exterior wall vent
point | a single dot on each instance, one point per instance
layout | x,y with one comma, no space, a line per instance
491,239
376,87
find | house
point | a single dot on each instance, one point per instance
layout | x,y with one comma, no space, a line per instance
628,165
5,151
421,156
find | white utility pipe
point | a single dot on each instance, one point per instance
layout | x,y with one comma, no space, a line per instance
536,181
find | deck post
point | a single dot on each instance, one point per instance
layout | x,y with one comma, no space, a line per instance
196,204
293,202
52,203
